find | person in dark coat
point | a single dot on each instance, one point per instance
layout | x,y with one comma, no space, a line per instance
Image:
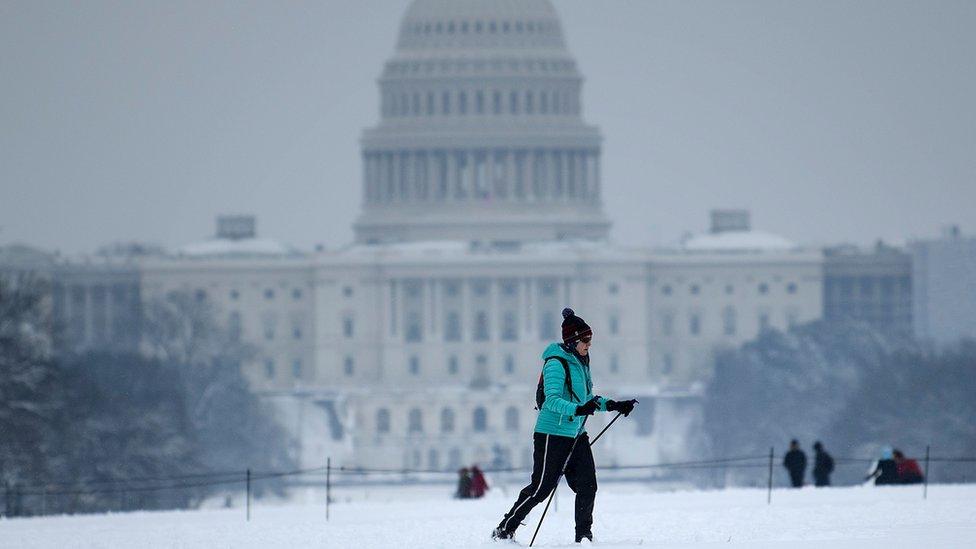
795,462
478,483
464,484
907,469
823,465
886,471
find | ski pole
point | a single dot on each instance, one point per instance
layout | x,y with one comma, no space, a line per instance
563,472
597,437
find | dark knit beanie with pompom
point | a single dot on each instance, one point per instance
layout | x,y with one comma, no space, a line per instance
574,328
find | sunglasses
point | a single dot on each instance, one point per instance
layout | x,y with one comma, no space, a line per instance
586,339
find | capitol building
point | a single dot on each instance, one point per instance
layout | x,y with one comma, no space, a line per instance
419,344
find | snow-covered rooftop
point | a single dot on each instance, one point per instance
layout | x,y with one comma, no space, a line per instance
738,241
244,247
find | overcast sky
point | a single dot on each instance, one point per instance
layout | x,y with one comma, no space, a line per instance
830,121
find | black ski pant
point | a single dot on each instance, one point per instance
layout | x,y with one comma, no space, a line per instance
821,479
796,478
550,454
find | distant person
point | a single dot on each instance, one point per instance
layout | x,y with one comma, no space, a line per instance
823,465
464,484
795,462
478,483
886,470
907,469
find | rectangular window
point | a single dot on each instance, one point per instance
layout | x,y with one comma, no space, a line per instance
481,326
348,326
667,363
728,321
452,326
349,366
296,368
509,328
614,324
667,323
694,324
415,327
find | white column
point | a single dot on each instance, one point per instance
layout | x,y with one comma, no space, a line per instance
530,184
581,170
596,198
566,174
433,291
431,175
553,160
511,176
395,310
529,301
466,323
406,176
452,183
494,326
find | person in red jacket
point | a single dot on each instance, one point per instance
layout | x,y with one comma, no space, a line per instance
908,470
478,483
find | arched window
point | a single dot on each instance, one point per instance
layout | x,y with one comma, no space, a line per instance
383,421
415,421
447,420
512,419
480,420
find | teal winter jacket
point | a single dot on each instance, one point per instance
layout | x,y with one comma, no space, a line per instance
558,413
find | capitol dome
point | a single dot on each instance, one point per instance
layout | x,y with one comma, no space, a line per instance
481,135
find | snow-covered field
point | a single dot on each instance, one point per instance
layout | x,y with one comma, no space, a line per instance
626,516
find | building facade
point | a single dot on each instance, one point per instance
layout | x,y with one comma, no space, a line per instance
419,344
872,286
944,286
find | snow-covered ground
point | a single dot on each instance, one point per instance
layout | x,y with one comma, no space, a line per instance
626,516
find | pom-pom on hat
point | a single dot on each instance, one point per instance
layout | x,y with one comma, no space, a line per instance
574,327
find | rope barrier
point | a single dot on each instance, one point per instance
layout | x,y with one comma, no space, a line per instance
235,477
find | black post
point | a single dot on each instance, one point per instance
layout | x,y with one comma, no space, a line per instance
328,485
769,487
248,504
925,491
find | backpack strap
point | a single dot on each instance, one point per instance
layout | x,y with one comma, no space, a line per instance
569,382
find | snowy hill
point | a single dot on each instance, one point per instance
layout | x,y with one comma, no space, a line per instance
626,516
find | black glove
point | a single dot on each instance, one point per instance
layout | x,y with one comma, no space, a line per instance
588,408
625,407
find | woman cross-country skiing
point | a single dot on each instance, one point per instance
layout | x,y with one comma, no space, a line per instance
560,441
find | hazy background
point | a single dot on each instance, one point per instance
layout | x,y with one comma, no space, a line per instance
831,121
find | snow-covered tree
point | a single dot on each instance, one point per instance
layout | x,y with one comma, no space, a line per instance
234,429
27,376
